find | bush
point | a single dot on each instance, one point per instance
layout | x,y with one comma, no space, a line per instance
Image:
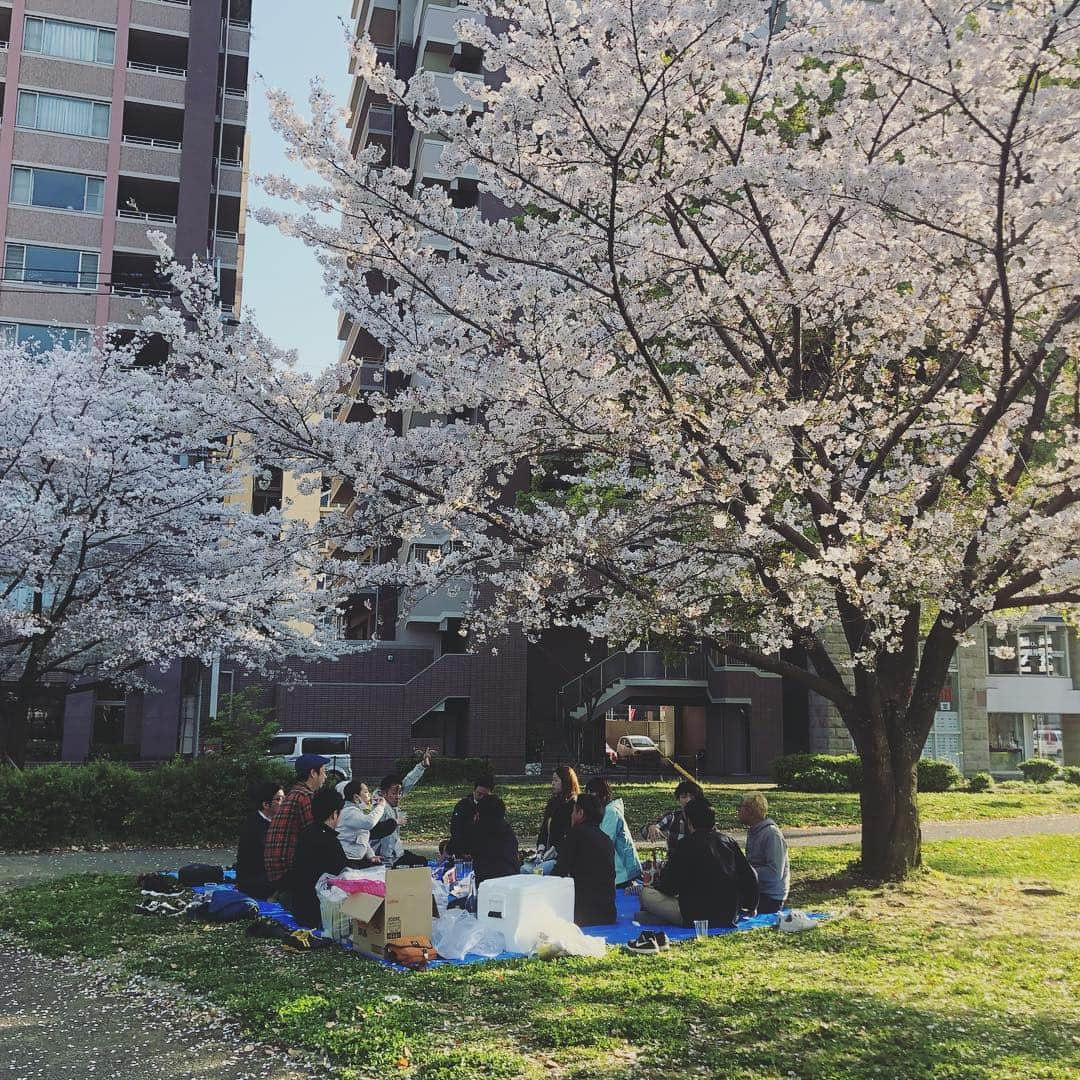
1038,770
981,781
937,775
1071,774
818,772
446,770
104,801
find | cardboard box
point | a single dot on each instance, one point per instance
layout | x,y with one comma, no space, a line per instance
405,911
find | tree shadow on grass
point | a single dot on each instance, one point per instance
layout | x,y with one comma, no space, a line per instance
815,1033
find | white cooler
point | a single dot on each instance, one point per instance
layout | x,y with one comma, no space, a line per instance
520,906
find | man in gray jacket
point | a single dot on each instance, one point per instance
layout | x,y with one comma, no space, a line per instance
766,851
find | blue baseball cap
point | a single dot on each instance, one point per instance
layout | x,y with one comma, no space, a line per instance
307,763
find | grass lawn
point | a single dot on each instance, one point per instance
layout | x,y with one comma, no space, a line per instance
429,805
971,970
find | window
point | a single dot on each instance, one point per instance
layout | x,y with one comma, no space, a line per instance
69,41
426,553
43,337
51,266
64,115
58,190
326,745
282,746
1041,649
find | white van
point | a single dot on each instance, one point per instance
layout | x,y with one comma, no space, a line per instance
289,745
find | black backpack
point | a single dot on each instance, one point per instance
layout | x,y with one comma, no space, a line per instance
200,874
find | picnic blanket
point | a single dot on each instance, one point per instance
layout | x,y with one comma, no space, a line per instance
618,933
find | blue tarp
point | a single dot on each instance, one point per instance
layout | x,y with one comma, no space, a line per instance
618,933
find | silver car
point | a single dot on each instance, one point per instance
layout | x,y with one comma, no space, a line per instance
289,745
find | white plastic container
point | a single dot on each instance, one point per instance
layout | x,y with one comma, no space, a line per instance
521,907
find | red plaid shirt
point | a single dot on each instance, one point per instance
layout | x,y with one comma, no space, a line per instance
292,816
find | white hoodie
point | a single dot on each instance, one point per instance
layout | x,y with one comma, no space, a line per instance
354,827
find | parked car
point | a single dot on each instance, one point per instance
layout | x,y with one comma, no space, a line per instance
637,748
289,745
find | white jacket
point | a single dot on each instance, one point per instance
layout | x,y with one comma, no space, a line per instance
390,848
354,828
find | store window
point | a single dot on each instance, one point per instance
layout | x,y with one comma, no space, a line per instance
1041,649
1017,736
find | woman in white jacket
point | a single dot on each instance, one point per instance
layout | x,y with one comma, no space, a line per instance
358,817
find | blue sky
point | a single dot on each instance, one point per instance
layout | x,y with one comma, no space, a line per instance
282,281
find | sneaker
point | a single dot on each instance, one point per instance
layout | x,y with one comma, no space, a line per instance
645,944
792,922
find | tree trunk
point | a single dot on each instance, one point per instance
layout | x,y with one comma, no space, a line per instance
891,837
16,712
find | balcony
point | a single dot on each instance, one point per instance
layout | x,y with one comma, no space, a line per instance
238,37
377,18
230,176
451,97
144,206
234,105
437,22
157,66
172,15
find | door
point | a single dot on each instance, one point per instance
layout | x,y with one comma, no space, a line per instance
736,739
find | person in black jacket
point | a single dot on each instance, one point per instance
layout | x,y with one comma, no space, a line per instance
492,842
250,869
707,877
556,822
588,856
318,852
464,815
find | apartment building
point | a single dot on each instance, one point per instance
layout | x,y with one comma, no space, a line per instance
119,116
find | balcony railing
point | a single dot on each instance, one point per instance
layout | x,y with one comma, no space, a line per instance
240,24
158,144
226,234
229,163
158,69
236,92
138,290
138,215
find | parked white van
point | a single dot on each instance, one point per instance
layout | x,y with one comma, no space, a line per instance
289,745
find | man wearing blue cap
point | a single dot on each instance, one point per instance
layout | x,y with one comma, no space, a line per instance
292,817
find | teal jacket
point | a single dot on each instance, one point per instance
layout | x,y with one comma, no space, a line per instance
627,864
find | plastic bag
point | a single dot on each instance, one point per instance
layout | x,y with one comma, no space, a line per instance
335,923
457,934
561,938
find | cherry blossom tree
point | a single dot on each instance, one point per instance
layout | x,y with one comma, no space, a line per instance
771,324
118,547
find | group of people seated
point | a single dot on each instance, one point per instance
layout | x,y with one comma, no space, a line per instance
584,835
291,840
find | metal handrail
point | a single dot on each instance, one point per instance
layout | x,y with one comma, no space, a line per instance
232,91
226,234
138,215
143,140
138,290
157,69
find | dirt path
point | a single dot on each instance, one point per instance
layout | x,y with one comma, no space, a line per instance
69,1020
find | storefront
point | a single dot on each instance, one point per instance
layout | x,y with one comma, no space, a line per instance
1014,737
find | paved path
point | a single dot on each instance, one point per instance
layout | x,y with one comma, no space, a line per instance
983,829
23,869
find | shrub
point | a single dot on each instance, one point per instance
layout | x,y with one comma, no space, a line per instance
937,775
189,802
818,772
446,770
1071,774
1038,770
981,781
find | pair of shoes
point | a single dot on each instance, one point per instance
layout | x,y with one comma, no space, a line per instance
305,941
160,907
648,943
265,927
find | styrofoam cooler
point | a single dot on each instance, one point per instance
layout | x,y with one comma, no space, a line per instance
518,907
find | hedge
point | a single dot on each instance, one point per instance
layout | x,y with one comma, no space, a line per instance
203,801
447,770
843,772
1071,774
1038,770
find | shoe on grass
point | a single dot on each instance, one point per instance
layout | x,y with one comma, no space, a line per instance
645,944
